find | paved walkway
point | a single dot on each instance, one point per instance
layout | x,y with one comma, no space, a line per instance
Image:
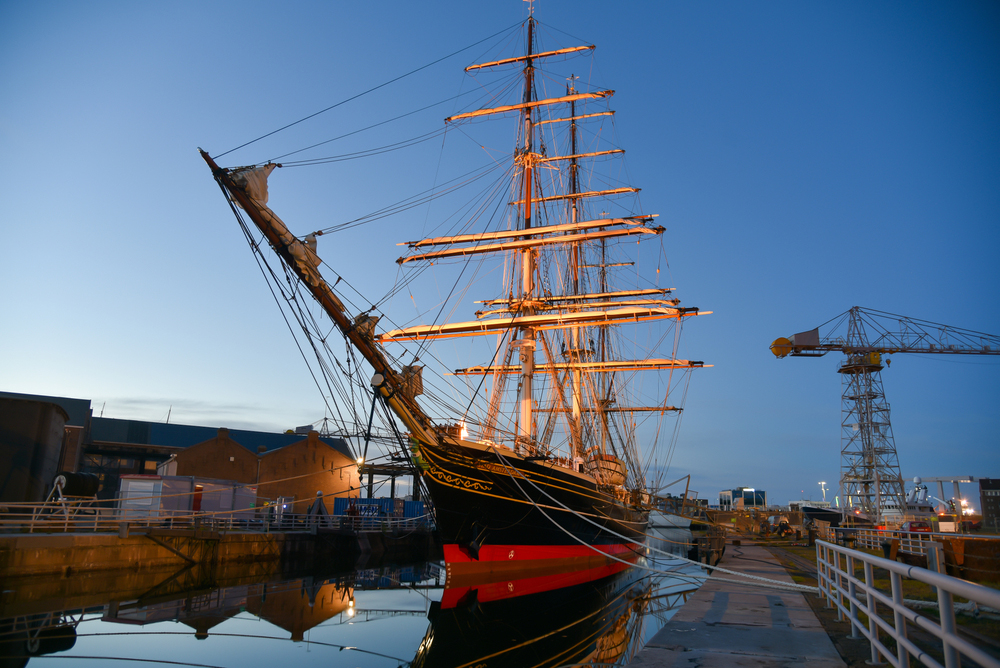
729,624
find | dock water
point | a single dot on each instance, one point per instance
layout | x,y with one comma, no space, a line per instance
726,623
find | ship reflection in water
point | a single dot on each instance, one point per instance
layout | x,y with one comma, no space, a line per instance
583,611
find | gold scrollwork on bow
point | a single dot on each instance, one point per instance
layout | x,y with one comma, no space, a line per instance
459,481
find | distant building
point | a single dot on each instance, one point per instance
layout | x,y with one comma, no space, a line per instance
296,471
742,497
31,447
989,500
110,447
117,447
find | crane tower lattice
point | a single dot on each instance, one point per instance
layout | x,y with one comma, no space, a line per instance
870,480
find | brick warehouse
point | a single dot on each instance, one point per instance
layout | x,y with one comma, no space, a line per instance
297,470
73,439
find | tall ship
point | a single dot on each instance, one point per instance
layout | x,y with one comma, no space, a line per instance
573,407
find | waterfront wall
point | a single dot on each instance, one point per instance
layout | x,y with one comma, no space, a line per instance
66,554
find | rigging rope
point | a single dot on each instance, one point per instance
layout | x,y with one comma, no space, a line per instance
775,584
370,90
378,150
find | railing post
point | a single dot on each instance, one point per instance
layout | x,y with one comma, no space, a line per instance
839,587
872,612
935,558
823,572
946,605
852,594
902,656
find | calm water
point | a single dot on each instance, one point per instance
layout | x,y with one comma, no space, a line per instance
397,615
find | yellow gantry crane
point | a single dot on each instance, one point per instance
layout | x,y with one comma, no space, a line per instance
870,481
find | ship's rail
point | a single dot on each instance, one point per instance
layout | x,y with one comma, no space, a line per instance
88,515
859,601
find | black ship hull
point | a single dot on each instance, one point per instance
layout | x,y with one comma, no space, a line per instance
493,505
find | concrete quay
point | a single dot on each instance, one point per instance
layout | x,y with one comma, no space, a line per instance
729,624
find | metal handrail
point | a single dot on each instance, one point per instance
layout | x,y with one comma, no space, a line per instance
88,515
913,542
852,597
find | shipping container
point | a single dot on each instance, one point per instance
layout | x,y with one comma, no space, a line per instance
413,509
384,507
147,496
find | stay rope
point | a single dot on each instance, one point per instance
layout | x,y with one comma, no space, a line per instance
370,90
764,582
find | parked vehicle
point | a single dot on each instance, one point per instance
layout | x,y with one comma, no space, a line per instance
916,525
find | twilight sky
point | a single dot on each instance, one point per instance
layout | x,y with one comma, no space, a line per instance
804,158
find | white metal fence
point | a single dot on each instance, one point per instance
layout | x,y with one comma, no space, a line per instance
914,542
862,603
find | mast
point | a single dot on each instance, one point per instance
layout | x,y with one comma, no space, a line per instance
574,259
359,331
529,310
527,334
605,382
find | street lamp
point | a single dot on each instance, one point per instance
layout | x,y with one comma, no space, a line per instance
822,486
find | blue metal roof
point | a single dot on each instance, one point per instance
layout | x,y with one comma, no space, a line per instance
182,436
140,432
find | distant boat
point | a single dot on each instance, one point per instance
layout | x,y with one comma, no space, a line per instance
918,507
670,533
660,520
834,517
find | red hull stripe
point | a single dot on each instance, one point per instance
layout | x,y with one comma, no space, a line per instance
504,589
458,554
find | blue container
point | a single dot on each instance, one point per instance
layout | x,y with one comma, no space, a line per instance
411,574
413,509
366,507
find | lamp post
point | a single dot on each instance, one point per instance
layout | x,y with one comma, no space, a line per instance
822,486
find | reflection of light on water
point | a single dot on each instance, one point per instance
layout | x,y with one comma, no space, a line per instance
379,622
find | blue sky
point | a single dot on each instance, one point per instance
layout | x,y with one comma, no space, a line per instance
804,157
